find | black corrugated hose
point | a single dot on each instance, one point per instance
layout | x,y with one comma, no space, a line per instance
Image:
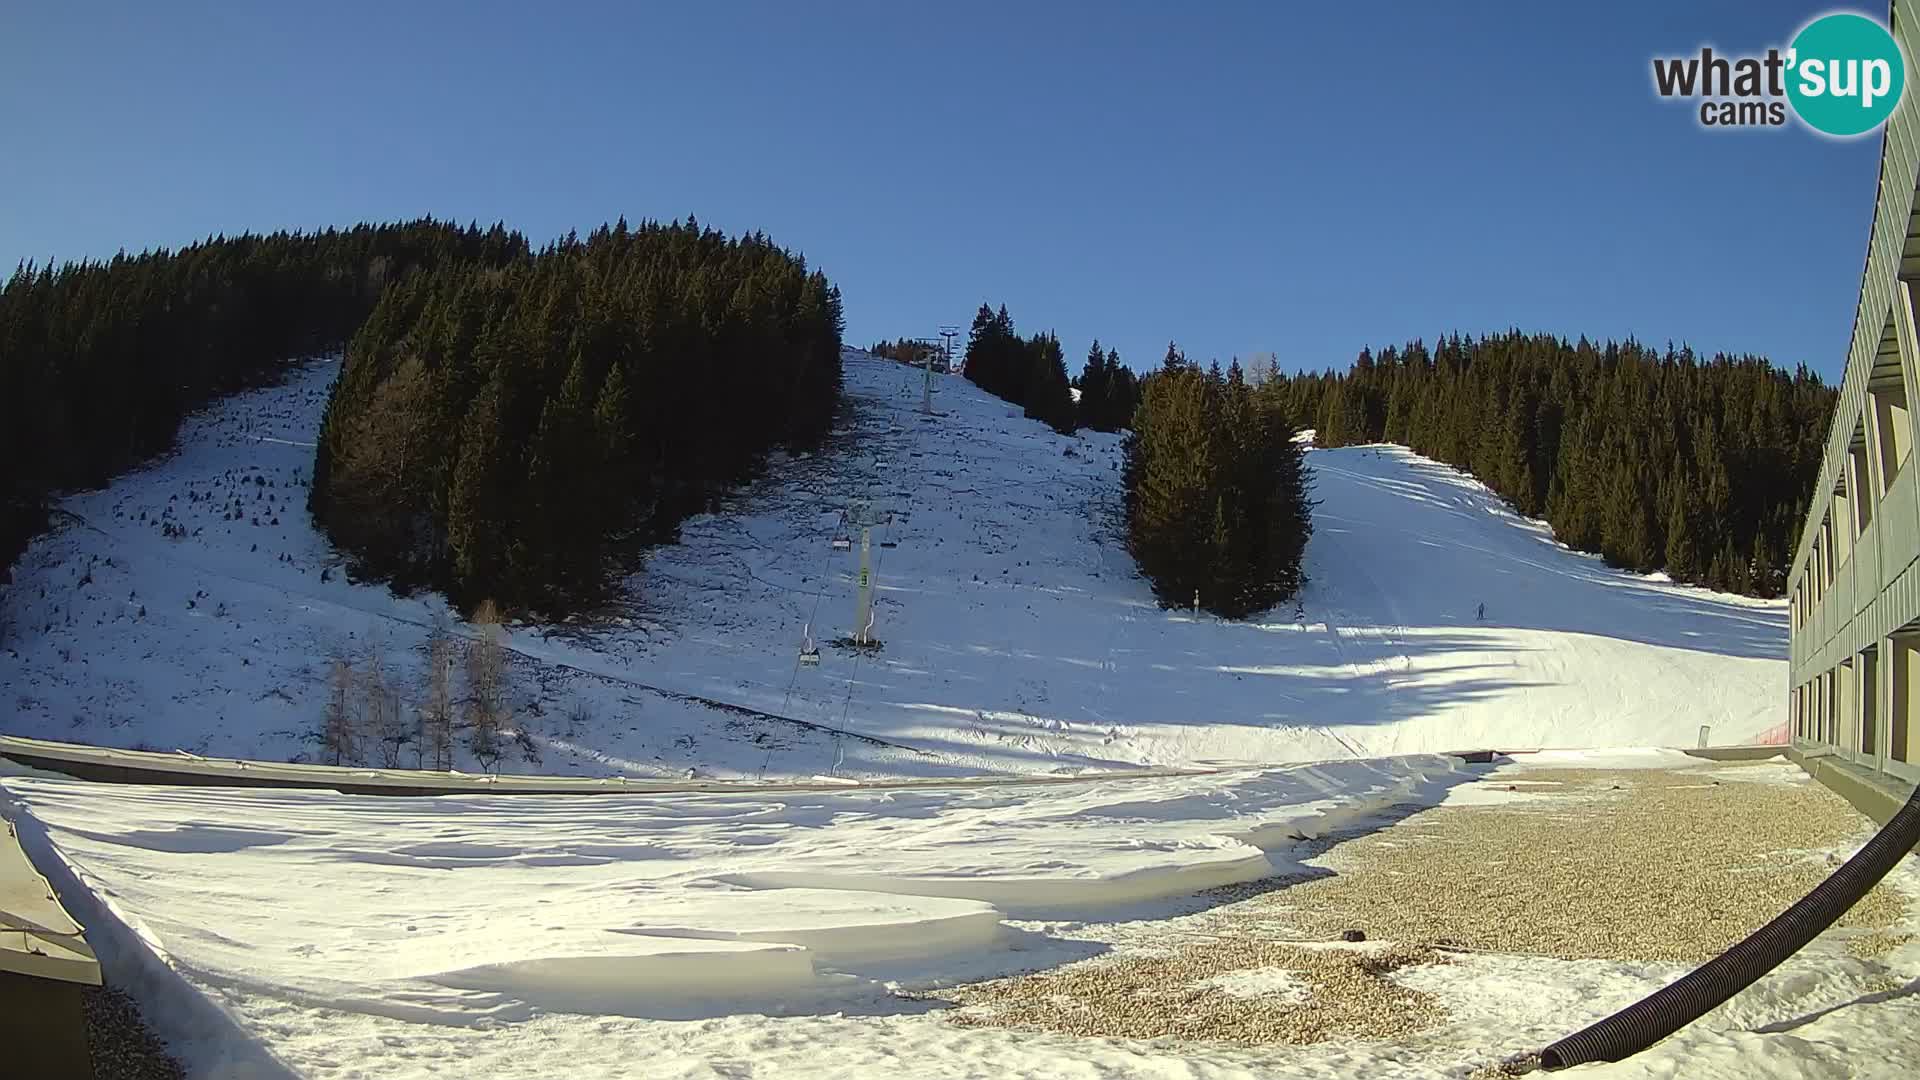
1646,1022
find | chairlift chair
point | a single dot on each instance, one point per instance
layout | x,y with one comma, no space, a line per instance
809,652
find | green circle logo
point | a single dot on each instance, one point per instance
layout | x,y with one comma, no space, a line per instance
1845,74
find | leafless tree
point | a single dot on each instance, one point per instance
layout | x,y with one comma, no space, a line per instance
434,750
338,728
1262,368
380,708
486,689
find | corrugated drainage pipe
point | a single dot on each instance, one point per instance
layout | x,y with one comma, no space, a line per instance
1646,1022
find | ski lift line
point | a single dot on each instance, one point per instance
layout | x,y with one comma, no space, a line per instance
800,660
853,670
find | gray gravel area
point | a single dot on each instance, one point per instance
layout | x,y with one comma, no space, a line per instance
120,1043
1666,865
1651,864
1151,997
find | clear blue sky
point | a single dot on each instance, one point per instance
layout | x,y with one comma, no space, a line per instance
1300,178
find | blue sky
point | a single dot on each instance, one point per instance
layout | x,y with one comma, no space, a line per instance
1240,177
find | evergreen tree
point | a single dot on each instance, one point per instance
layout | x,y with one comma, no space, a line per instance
100,360
1172,470
1682,556
1029,372
1579,431
597,391
1216,491
1094,385
1048,397
1123,393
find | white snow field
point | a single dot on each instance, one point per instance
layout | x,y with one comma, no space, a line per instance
276,934
184,607
766,932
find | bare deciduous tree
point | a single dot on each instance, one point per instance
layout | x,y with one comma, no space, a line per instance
434,750
338,726
380,709
486,689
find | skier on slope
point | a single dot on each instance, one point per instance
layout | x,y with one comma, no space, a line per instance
1480,613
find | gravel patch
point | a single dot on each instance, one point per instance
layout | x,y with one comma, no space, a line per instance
1875,946
119,1041
1347,993
1638,865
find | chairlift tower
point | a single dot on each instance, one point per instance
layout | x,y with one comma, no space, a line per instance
862,515
946,353
949,333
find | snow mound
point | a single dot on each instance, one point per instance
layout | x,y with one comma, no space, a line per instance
466,911
623,973
841,928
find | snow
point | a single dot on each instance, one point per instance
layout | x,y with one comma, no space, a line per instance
1276,984
1132,756
1500,790
334,914
1817,1015
1617,757
1017,638
1772,771
277,933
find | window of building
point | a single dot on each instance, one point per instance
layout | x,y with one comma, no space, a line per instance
1887,395
1846,705
1869,715
1859,474
1902,722
1842,527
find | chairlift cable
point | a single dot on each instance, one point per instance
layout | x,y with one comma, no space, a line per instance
853,671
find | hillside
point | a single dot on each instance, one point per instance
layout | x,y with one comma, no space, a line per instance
1016,637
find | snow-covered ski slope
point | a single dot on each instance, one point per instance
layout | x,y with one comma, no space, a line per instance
1016,636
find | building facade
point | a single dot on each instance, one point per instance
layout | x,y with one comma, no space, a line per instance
1854,643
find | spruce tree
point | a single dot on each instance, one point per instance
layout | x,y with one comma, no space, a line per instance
1574,430
1123,393
1215,491
1095,385
1048,397
603,388
1682,556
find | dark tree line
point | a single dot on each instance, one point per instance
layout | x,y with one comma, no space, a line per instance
497,430
100,360
1216,490
1109,391
1657,460
1029,372
906,350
